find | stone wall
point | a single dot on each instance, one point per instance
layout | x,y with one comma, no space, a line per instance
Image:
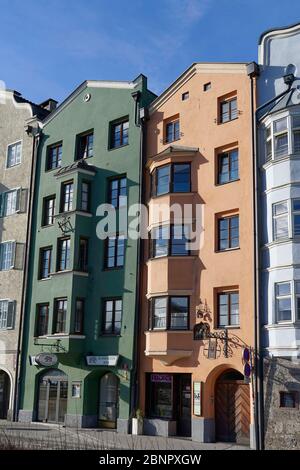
282,425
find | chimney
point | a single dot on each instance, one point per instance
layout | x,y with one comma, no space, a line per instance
49,105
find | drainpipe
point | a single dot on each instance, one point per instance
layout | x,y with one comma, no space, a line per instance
36,139
134,392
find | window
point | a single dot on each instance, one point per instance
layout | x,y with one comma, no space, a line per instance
10,202
60,315
83,254
7,255
54,156
268,143
115,252
288,399
118,192
63,254
296,133
228,233
161,397
112,320
119,133
280,220
169,241
14,152
85,196
45,262
42,320
48,211
228,110
174,178
79,316
228,166
296,217
85,145
297,295
172,131
7,313
185,96
280,138
228,309
170,313
207,86
67,197
283,301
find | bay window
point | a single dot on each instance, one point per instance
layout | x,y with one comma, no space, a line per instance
169,313
172,178
286,219
287,298
169,241
282,137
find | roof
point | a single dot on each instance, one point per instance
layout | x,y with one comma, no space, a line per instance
78,165
37,110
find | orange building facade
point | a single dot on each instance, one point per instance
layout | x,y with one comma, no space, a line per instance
197,318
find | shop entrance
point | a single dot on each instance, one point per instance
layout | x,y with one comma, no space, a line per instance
109,401
232,408
169,398
4,394
53,397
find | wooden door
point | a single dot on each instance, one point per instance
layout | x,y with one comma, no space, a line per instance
232,412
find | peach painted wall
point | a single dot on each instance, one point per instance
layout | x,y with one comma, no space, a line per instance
207,269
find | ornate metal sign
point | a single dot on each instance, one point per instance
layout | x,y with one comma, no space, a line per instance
46,359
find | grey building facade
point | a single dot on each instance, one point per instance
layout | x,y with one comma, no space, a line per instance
18,125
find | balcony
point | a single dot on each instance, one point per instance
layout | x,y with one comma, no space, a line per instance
169,346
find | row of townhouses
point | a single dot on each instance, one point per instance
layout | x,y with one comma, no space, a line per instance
188,339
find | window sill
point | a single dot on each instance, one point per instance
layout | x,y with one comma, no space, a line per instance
44,279
49,170
47,226
228,249
189,256
220,123
111,335
13,166
164,330
229,327
167,142
227,182
114,268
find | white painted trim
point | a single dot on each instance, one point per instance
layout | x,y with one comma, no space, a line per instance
263,56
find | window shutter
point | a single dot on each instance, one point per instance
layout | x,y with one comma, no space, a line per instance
10,321
18,255
23,200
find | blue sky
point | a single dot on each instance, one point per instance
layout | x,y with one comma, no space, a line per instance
48,47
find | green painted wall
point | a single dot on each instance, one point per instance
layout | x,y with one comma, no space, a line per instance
106,105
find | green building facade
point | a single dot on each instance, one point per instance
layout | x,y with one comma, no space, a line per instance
82,293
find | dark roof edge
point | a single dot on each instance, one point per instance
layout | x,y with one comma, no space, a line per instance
276,29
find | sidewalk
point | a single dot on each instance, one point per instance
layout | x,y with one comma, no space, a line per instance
47,436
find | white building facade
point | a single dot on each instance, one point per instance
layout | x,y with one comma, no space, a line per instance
279,220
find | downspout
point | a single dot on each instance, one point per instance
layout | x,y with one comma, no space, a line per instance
134,393
36,140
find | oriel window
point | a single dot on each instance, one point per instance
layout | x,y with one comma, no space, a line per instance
85,145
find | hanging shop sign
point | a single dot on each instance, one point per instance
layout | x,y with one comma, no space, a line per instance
110,361
197,398
46,359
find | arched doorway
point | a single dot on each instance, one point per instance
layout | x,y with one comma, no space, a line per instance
232,408
52,397
4,394
109,401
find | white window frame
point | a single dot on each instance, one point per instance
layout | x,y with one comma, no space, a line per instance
293,295
5,327
20,141
290,131
3,202
12,264
290,214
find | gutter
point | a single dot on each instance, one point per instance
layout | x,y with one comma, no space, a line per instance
36,140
